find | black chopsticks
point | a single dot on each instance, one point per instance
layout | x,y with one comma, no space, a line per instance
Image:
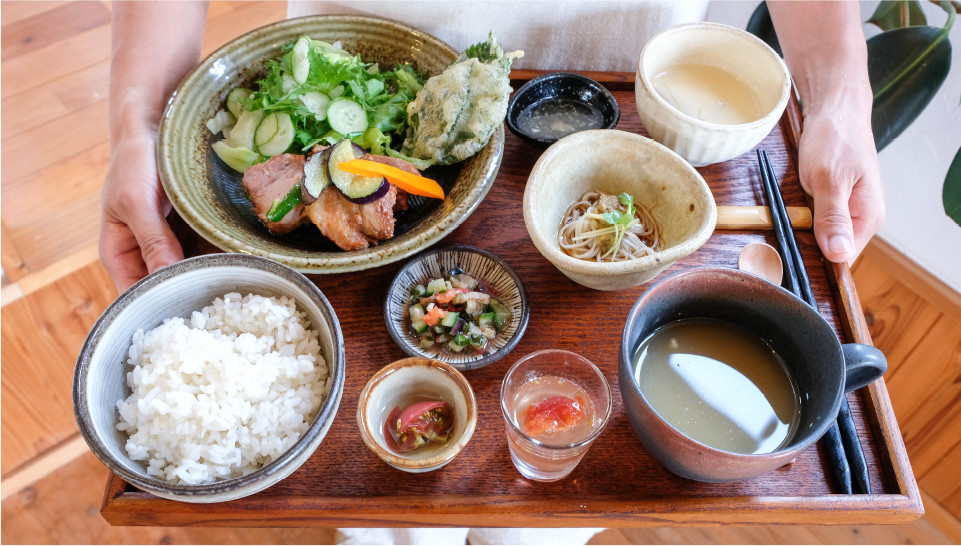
842,442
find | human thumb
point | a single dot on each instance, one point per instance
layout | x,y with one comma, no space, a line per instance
832,224
158,244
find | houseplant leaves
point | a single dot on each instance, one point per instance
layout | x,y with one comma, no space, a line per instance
951,194
893,14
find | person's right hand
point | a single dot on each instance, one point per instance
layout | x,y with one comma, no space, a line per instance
135,238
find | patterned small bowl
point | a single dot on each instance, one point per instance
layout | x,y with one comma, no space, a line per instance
210,197
501,279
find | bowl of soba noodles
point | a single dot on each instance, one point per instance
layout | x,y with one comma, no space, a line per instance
612,210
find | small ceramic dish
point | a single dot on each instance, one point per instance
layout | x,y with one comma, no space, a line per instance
210,196
673,192
100,378
497,278
405,382
555,105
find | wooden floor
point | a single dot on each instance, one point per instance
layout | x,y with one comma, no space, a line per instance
55,59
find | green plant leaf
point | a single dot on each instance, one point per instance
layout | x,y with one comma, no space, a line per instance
906,67
951,194
761,26
894,14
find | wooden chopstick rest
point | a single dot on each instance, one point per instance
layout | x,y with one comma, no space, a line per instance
759,217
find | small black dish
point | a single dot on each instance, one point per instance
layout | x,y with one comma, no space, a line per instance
555,105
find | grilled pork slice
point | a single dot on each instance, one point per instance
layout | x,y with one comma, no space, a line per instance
349,225
272,180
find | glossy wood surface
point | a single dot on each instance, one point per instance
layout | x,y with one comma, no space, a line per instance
618,483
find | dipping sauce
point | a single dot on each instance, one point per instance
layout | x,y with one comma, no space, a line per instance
709,93
720,384
557,118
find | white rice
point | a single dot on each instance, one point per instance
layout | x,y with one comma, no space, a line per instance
224,393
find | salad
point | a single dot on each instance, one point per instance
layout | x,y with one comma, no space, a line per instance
315,93
453,314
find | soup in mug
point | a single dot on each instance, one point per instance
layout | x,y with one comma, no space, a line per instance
709,94
720,384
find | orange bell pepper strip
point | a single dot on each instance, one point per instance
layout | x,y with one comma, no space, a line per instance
411,183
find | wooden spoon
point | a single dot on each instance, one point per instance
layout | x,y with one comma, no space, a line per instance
763,260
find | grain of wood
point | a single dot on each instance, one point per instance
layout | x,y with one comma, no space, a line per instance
13,267
42,335
73,53
49,28
12,12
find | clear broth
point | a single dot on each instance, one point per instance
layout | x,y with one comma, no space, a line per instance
719,384
709,93
557,118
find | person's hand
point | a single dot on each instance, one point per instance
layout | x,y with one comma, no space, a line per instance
135,238
839,168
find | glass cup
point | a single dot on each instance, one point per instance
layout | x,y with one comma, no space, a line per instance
555,403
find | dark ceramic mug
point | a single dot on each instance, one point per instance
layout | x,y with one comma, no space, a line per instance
822,368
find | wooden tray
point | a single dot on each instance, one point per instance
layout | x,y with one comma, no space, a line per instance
618,484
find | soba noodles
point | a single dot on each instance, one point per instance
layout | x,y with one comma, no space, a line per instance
607,228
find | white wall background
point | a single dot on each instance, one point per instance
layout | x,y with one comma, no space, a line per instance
914,165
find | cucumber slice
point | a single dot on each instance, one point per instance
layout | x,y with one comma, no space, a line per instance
418,326
300,59
238,159
317,103
346,116
352,185
274,134
315,176
242,135
236,100
450,319
502,314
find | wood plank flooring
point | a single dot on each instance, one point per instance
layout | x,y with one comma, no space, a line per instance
54,154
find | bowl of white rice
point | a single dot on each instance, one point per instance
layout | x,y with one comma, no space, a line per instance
211,379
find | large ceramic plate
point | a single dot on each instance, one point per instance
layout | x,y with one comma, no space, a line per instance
210,197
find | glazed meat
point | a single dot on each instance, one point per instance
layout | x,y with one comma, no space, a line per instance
349,225
272,180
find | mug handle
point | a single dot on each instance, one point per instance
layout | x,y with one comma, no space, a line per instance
863,364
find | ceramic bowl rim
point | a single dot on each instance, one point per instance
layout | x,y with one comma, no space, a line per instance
452,449
316,262
405,345
626,358
259,479
765,120
665,256
586,81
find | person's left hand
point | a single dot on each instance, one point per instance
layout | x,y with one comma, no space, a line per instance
839,168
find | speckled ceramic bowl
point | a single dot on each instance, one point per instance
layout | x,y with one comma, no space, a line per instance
573,91
612,162
176,291
406,381
498,278
210,197
730,49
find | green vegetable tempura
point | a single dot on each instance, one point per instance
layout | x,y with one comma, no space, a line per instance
457,111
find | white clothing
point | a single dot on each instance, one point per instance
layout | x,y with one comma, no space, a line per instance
599,35
460,536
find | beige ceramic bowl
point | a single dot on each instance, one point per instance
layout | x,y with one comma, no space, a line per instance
410,380
210,197
720,46
612,162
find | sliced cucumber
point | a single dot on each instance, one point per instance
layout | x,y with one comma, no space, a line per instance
450,319
236,100
346,116
238,159
502,314
317,103
274,134
221,121
315,176
242,135
300,59
352,185
418,326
